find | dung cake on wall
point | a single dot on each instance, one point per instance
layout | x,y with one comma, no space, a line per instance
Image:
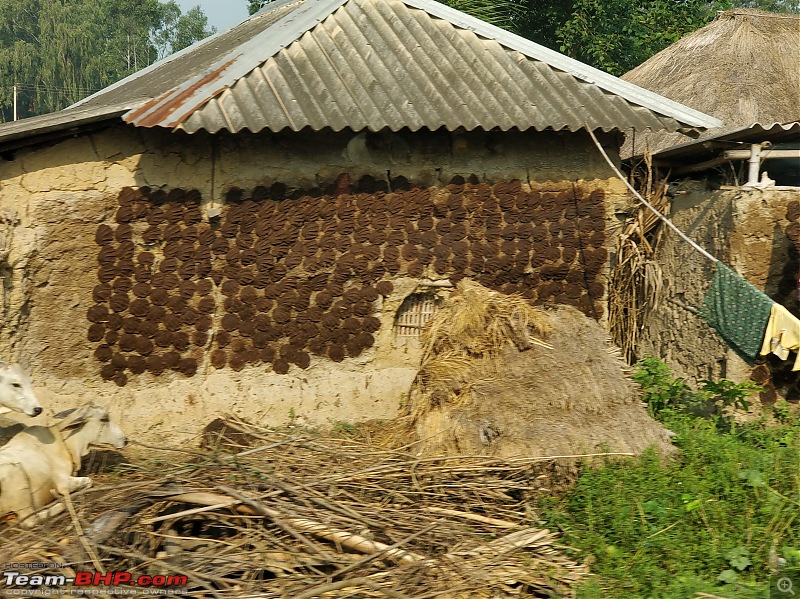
280,279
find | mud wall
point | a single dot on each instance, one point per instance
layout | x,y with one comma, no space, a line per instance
121,283
746,230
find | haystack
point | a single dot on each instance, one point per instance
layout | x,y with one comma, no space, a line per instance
740,68
502,378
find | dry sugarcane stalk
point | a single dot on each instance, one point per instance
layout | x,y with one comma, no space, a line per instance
209,501
310,507
378,554
350,540
203,578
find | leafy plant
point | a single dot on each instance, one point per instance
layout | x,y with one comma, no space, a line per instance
340,427
717,398
660,389
739,561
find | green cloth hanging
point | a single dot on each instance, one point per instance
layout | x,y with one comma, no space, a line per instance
737,311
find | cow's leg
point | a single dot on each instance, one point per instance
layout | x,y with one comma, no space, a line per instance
70,484
42,516
76,483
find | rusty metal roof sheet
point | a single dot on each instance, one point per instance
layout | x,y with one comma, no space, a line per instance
115,100
373,64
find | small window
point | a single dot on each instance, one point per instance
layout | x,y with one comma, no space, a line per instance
415,311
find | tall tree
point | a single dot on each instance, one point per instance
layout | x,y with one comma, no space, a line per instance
616,36
57,52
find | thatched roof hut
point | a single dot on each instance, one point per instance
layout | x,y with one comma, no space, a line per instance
741,68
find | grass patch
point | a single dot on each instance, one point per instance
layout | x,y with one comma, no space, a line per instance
714,519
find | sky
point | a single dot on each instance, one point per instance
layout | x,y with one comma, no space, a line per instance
222,14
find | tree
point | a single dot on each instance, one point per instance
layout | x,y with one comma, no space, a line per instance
255,5
619,35
58,52
503,13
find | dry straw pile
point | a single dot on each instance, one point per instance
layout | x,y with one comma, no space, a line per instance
500,377
298,516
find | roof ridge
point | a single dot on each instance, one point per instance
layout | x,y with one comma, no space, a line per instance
755,12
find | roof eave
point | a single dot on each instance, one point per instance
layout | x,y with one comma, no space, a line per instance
26,131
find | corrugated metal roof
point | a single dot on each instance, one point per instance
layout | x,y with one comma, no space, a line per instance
54,122
755,133
371,64
368,64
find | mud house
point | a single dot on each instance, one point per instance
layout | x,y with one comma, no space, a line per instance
261,223
735,189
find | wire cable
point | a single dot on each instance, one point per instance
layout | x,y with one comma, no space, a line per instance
661,217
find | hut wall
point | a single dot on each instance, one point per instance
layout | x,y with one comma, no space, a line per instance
748,231
117,286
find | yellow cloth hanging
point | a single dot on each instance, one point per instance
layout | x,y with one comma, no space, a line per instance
783,334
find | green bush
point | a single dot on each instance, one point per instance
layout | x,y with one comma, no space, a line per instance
707,520
661,391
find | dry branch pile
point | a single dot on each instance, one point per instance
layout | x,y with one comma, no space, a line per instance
310,516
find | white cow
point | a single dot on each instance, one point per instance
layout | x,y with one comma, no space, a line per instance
16,391
39,462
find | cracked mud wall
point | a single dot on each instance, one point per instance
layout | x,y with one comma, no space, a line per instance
52,200
746,230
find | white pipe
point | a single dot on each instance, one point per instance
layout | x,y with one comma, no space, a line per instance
764,154
754,164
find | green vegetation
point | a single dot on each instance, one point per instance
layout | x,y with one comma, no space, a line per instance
59,52
717,518
714,399
618,35
343,428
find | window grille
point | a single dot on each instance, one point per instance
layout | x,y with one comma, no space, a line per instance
415,311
